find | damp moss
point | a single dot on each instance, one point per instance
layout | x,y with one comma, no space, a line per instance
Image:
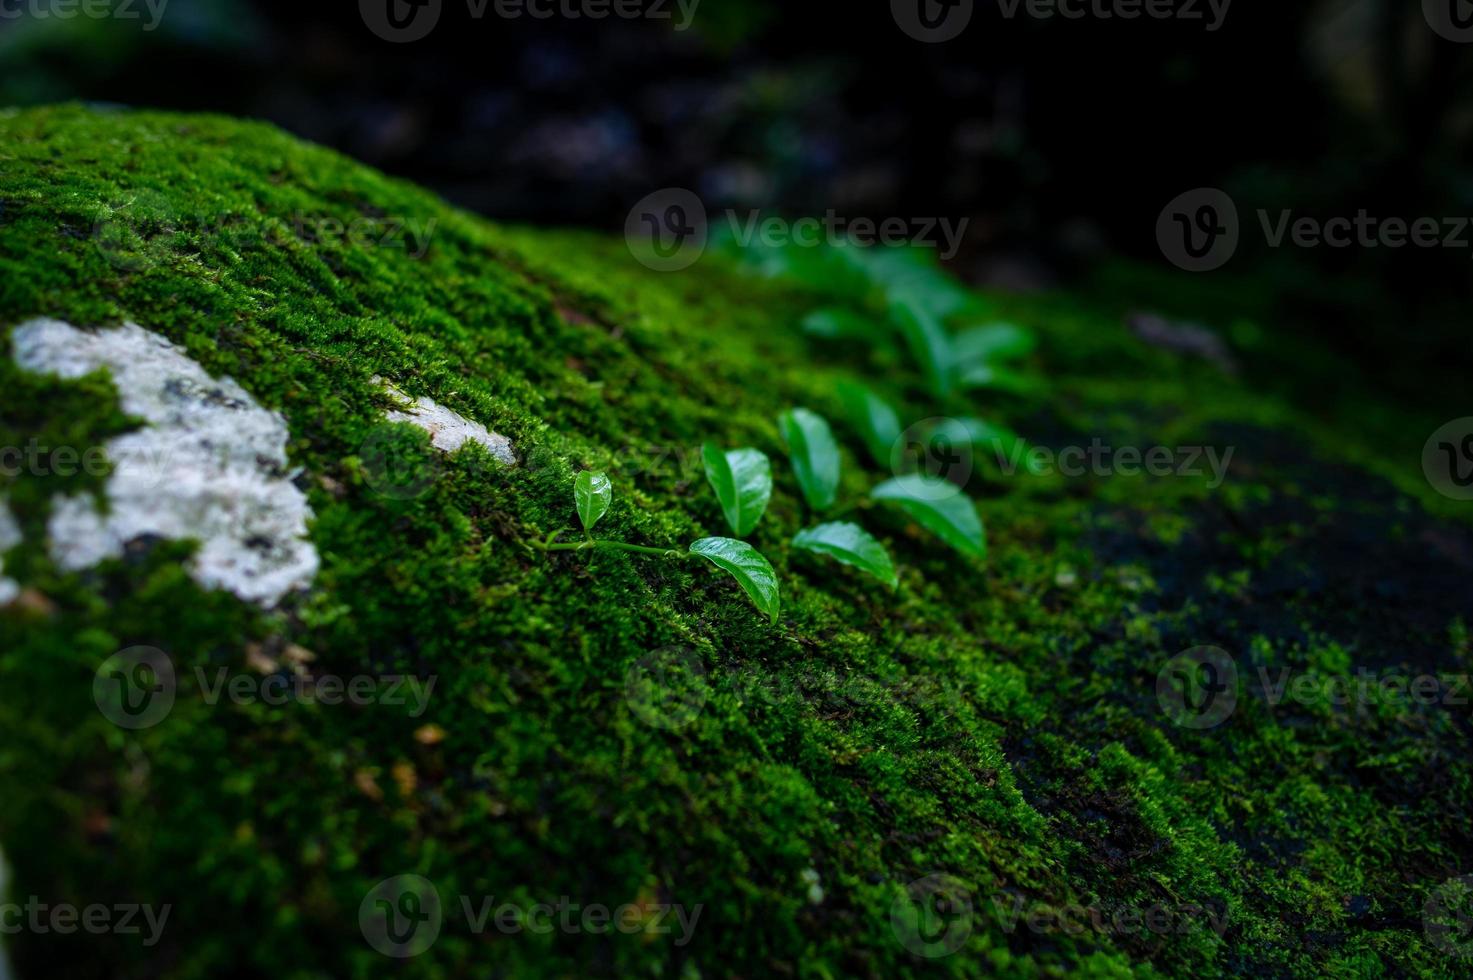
995,722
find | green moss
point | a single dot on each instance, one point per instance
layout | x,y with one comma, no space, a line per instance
996,722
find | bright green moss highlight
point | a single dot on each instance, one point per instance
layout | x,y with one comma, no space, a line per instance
995,721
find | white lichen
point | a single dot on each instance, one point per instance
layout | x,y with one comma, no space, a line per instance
448,430
9,537
209,465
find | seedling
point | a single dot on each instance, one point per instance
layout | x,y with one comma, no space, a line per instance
593,495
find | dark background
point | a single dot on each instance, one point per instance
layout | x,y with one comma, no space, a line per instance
1060,140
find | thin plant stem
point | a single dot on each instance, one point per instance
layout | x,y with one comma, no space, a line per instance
548,545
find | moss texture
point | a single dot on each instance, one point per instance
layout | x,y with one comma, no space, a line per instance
994,721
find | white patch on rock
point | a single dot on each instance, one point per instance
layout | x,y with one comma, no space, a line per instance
209,466
448,430
9,537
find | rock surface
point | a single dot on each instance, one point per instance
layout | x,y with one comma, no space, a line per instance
624,730
210,465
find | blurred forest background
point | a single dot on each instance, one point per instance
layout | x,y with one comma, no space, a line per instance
1060,140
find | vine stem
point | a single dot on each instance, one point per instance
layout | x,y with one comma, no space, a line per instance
549,545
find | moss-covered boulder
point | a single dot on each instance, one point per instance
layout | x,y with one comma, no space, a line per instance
281,658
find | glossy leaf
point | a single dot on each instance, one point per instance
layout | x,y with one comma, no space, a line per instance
592,494
814,455
745,564
940,507
852,545
928,341
873,418
742,479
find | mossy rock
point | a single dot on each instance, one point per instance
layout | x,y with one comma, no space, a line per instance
627,730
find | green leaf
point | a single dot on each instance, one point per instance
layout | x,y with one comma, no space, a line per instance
993,342
837,324
745,564
852,545
1008,450
742,480
928,341
911,271
940,507
592,493
998,379
814,454
873,418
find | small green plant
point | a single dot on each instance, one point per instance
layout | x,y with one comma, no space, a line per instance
742,479
814,455
929,343
993,342
841,324
982,352
851,545
940,507
873,418
593,495
816,464
990,438
745,564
